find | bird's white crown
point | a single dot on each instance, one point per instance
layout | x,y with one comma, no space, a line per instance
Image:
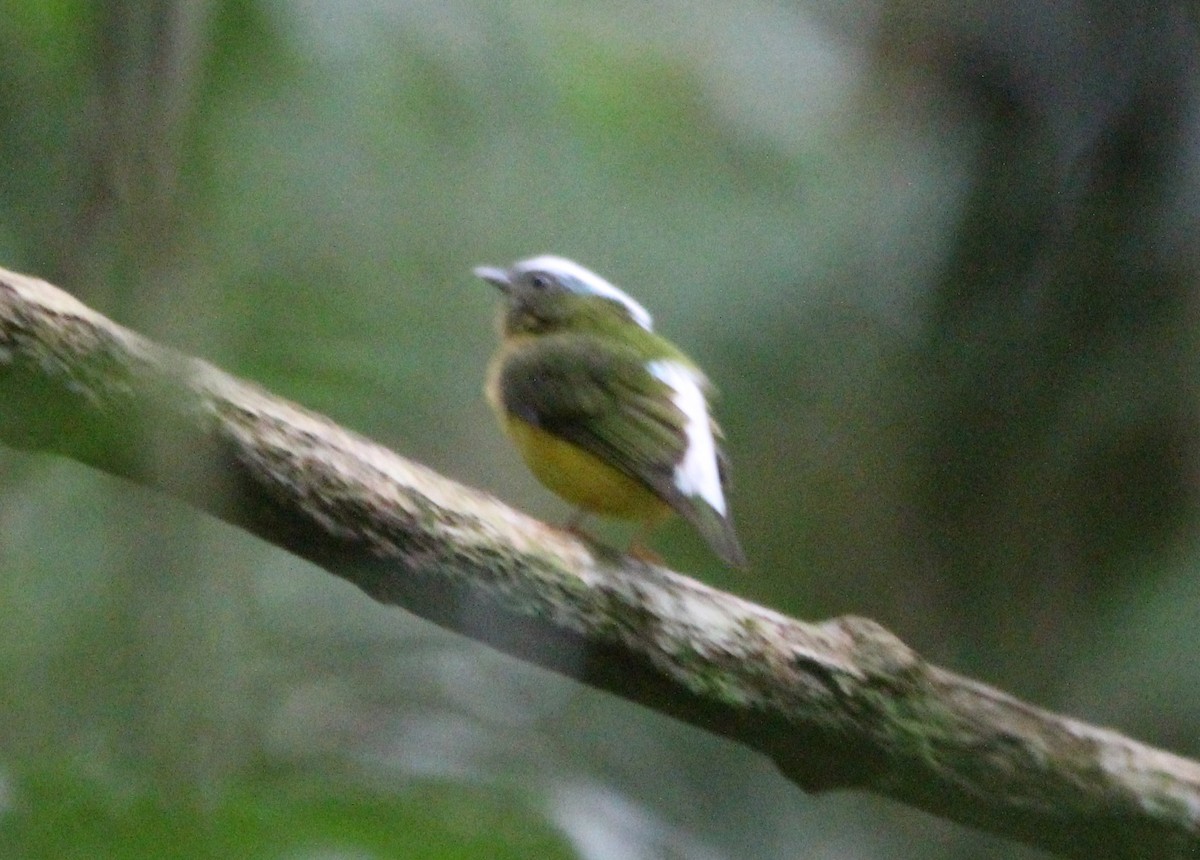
583,281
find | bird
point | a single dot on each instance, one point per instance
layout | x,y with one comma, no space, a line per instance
606,413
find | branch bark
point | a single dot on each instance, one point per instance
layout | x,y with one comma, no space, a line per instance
840,704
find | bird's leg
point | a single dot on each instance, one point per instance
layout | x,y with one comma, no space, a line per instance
637,545
574,524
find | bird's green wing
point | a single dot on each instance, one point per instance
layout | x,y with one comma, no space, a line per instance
602,397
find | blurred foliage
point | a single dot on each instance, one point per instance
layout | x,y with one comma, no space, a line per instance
63,816
940,259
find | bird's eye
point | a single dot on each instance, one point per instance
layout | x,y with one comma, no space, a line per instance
539,281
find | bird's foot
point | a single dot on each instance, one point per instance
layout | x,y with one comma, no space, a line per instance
641,552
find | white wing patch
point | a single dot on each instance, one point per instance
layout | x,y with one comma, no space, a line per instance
587,282
696,474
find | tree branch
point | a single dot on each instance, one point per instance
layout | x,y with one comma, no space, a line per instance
841,704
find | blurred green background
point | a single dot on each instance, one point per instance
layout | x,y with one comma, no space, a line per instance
940,258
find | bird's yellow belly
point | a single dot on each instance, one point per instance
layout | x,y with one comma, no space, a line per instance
582,478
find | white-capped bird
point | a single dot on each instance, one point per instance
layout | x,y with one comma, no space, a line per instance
608,414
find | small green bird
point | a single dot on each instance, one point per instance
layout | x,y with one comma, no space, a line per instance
606,413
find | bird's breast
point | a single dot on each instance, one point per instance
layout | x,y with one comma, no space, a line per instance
581,478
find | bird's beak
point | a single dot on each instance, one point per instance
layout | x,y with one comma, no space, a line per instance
496,277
